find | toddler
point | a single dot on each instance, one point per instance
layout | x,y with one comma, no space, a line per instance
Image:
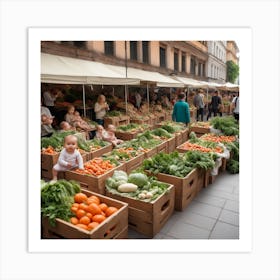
65,126
100,132
78,122
69,157
110,136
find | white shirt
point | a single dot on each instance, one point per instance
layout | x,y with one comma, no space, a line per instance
75,159
236,109
99,111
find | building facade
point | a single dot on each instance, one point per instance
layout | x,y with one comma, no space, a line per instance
183,58
216,67
232,51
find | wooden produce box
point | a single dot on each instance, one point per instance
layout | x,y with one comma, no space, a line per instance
124,120
48,162
111,120
126,135
100,152
160,117
151,152
134,163
185,135
114,227
223,166
140,121
148,218
178,139
171,144
203,179
153,121
92,183
185,188
163,147
199,130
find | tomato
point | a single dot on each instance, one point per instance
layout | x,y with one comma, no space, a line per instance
80,213
80,197
94,209
110,211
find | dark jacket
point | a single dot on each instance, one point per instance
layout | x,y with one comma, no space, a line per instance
216,100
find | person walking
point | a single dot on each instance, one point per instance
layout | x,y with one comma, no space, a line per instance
181,110
235,106
214,105
199,104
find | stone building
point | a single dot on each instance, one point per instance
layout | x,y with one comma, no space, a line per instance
232,51
216,69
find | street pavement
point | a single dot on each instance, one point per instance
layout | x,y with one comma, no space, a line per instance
213,214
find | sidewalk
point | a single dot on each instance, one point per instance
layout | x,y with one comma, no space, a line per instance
213,214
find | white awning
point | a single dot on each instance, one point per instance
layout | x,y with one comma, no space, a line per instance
190,82
60,69
230,86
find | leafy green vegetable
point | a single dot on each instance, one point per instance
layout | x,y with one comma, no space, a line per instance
233,166
138,179
228,125
161,133
56,199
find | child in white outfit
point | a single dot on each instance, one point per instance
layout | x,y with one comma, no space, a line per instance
69,157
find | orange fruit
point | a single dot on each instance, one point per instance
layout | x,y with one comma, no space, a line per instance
85,220
110,211
103,206
80,213
75,205
89,215
80,197
98,218
92,225
82,226
74,209
74,221
83,206
92,199
94,209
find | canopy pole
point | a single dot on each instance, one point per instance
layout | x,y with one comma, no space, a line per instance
84,100
207,99
148,98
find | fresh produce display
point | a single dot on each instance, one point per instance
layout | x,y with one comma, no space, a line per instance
96,167
233,166
218,138
227,125
179,165
172,127
113,113
55,141
49,151
57,198
135,185
95,144
188,146
162,133
201,124
132,127
123,154
89,212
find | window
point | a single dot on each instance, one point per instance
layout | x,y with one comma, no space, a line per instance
133,50
162,56
192,65
109,47
145,51
183,63
212,74
199,69
203,69
176,62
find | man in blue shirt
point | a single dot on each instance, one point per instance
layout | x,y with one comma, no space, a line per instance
181,110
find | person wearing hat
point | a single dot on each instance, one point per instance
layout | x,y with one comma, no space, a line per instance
199,104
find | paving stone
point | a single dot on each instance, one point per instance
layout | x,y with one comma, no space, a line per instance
187,231
222,194
132,234
208,199
198,220
232,205
225,231
223,188
204,209
229,217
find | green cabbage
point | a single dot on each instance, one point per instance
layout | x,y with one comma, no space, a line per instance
138,179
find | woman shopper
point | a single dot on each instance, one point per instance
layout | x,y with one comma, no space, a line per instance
100,109
181,110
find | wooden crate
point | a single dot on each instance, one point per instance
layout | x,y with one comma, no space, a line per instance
124,120
111,120
92,183
178,139
148,218
160,117
151,152
48,162
100,152
162,147
153,121
114,227
185,188
140,121
223,166
126,135
185,135
171,145
134,163
199,130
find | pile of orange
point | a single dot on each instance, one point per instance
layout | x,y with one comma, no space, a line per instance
90,212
